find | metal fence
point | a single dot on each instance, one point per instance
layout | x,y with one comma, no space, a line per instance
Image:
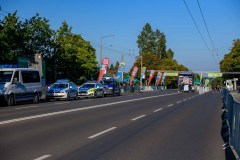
232,109
129,89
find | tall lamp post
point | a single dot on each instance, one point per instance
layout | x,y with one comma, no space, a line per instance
101,46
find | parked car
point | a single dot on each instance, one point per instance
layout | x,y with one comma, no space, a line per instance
111,86
20,84
62,89
91,89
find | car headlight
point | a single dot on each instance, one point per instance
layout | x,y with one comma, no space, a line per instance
63,91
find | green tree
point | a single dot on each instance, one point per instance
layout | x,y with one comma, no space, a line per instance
11,40
76,58
146,40
160,44
231,61
169,53
38,37
116,66
111,67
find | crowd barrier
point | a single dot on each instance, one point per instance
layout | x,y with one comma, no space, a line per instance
232,110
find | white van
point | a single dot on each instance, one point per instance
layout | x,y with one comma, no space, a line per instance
20,84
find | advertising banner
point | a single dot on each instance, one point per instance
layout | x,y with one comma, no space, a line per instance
214,74
103,69
120,71
172,74
143,72
150,76
134,72
158,79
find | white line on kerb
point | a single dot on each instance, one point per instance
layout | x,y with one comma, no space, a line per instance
100,133
158,110
42,157
134,119
170,105
78,109
179,101
27,107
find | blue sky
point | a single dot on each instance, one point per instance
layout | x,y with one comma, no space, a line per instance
125,19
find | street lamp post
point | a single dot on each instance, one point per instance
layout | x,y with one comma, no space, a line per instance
101,46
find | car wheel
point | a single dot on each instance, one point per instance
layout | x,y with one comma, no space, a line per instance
95,94
76,97
11,100
36,98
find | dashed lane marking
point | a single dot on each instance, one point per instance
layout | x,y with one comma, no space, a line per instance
103,132
134,119
158,110
42,157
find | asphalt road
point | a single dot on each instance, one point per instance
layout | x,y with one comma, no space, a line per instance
155,125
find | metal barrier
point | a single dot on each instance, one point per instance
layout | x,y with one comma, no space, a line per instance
127,89
232,108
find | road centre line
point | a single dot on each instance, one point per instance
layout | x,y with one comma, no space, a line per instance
78,109
179,101
100,133
158,110
170,105
134,119
27,107
42,157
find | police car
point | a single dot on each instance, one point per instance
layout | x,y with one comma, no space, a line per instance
91,89
62,89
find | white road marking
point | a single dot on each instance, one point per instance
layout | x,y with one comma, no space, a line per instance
78,109
184,99
170,105
134,119
100,133
179,101
62,103
27,107
86,100
189,98
158,110
42,157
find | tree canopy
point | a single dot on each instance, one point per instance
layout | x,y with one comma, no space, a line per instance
75,58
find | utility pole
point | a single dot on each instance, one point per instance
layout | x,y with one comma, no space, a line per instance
101,46
55,68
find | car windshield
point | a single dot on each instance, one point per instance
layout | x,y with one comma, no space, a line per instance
60,85
88,86
5,76
106,81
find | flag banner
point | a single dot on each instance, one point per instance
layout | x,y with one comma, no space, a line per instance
120,71
103,69
163,78
158,79
134,72
143,72
150,76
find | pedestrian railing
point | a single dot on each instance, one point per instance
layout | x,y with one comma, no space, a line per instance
232,109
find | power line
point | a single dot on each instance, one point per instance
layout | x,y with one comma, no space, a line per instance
198,28
207,28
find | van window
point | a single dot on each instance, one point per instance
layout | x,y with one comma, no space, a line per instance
5,76
30,76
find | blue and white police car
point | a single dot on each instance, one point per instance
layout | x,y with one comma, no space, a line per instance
62,89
